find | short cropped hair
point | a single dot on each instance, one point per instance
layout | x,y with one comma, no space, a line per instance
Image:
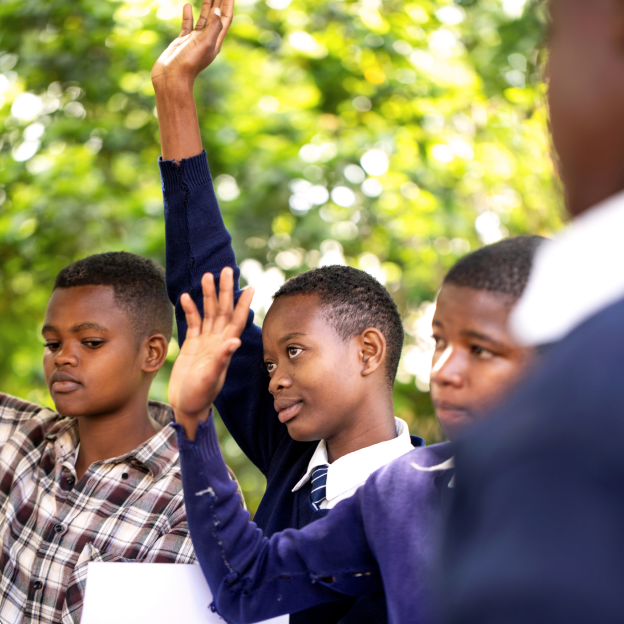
138,285
352,300
502,267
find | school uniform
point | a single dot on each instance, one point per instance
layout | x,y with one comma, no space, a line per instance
197,242
536,532
384,536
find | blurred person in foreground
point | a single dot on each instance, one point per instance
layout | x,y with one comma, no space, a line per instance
385,536
536,532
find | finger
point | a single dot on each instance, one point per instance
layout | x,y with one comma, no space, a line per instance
187,20
226,300
227,350
227,14
204,14
210,302
214,27
241,314
193,318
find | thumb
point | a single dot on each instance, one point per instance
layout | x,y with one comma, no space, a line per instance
233,345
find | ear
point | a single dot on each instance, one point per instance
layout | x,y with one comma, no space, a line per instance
372,350
155,349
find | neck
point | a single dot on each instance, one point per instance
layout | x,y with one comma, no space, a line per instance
596,185
374,424
104,436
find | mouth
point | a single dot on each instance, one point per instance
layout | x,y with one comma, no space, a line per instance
287,409
63,383
450,410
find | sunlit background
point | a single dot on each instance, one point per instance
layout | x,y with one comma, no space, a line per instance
388,135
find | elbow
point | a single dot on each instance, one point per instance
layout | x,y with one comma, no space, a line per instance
237,604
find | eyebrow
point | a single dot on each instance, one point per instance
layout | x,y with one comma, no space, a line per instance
76,328
484,337
290,336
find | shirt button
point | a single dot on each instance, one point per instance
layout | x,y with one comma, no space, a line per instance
58,528
124,476
71,481
37,584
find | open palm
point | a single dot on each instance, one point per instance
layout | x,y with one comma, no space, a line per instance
195,48
199,371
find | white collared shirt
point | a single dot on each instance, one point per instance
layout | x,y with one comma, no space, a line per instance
574,276
347,474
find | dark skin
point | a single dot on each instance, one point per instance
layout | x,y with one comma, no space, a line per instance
476,360
350,406
586,98
326,387
99,372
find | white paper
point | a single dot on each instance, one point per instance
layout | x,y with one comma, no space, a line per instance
149,593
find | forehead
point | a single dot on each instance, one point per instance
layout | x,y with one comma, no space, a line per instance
460,308
85,304
296,314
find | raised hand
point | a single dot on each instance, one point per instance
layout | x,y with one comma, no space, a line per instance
199,371
195,48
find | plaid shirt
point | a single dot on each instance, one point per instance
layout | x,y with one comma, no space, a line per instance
129,508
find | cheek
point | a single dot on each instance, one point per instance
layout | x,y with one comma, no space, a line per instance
498,380
48,363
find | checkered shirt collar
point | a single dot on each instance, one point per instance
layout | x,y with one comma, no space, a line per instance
158,454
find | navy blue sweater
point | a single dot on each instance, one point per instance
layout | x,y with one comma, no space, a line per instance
386,536
537,529
197,242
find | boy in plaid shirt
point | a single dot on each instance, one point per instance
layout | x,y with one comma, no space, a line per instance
98,479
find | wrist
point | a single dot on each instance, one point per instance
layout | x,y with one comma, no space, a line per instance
190,422
173,86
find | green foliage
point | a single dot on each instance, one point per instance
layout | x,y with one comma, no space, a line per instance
392,135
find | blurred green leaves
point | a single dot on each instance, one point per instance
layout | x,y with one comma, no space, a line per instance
394,136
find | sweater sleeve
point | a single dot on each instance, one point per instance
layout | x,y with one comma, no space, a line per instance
253,578
196,243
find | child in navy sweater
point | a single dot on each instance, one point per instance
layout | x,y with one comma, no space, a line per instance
311,393
385,537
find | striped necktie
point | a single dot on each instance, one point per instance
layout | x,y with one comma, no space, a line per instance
319,481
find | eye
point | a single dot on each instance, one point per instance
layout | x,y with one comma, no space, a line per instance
93,344
270,367
481,352
439,342
293,352
52,345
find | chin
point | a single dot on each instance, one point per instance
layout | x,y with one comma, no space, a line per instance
71,407
454,426
300,433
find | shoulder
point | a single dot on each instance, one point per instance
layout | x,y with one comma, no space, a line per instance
415,474
437,457
16,413
13,408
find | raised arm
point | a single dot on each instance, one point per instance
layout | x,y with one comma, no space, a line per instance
196,238
252,578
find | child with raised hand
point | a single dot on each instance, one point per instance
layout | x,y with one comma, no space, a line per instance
385,536
310,396
98,479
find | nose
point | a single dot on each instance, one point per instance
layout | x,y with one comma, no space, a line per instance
448,368
65,356
279,381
